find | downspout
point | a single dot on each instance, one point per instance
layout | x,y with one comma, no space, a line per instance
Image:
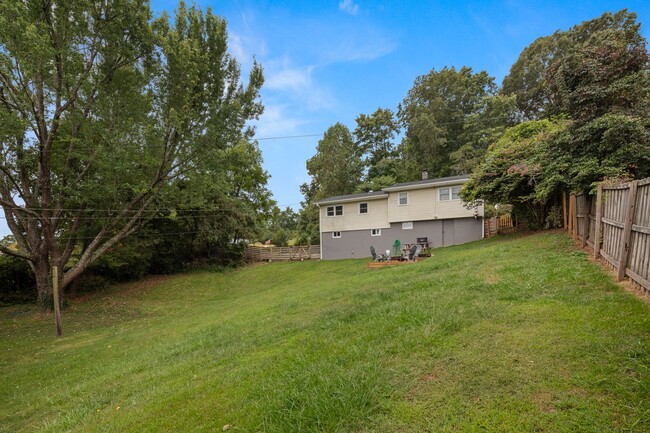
483,221
320,231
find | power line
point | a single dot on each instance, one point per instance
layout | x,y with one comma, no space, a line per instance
288,137
178,211
135,234
157,145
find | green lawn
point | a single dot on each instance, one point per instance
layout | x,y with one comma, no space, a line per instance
513,334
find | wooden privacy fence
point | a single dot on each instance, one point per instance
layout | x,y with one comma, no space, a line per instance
492,225
616,224
270,254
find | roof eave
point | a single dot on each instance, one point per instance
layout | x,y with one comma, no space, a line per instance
353,199
425,185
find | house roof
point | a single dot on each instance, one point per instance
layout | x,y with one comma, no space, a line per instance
373,195
376,195
427,183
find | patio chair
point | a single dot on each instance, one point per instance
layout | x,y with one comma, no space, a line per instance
412,251
417,252
397,248
377,257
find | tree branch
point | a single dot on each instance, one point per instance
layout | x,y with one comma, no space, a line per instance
14,207
95,249
14,253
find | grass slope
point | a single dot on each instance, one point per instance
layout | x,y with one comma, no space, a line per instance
518,334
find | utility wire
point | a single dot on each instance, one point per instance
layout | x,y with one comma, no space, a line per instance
136,235
178,211
288,137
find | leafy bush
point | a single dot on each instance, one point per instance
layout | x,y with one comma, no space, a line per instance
554,217
128,260
17,283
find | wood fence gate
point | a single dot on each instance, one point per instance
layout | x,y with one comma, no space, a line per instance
494,224
270,254
616,225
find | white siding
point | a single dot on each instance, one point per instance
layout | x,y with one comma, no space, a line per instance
376,218
421,205
424,204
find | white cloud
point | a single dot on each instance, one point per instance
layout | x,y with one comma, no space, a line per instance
245,47
236,46
349,6
360,50
296,83
276,122
284,77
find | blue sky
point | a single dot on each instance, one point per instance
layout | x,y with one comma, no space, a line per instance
328,61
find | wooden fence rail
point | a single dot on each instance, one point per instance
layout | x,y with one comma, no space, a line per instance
271,254
494,224
616,225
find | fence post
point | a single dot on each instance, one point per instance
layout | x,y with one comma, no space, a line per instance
570,227
564,209
571,213
57,305
599,216
624,248
587,214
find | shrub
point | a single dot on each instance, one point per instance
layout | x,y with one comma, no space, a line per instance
17,285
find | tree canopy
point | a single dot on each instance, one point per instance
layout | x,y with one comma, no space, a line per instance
434,116
374,136
335,169
527,79
515,170
107,117
591,86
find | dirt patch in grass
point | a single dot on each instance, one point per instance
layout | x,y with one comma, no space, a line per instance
544,401
126,290
143,285
436,374
491,275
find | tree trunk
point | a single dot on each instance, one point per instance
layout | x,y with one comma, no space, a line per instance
72,293
43,285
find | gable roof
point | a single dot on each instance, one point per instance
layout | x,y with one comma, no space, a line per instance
372,195
427,183
376,195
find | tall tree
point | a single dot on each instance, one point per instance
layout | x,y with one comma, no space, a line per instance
102,110
337,166
527,76
336,169
514,170
605,89
598,81
434,114
374,135
485,126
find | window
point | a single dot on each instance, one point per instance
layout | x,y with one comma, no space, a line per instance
455,193
335,210
363,208
375,232
407,225
446,194
403,198
336,235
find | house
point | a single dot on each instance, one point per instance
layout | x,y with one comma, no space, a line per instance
427,211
